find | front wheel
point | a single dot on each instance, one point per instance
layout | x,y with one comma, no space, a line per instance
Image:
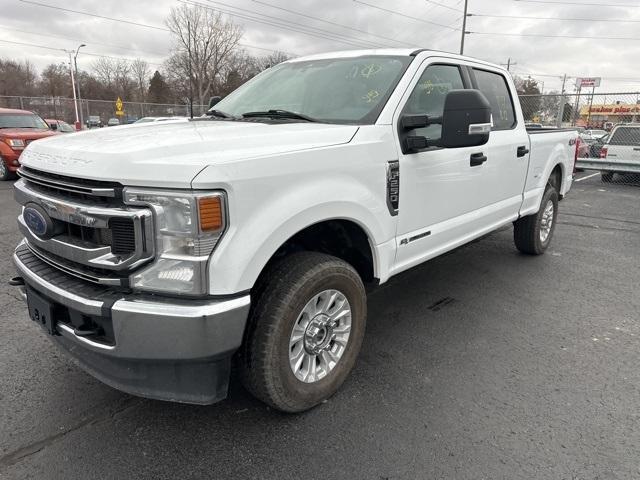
607,177
532,234
5,173
305,330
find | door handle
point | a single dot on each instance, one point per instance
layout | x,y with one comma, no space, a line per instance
522,151
477,159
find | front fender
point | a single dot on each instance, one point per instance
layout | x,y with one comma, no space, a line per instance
263,219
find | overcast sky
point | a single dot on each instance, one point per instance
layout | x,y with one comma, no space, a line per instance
431,24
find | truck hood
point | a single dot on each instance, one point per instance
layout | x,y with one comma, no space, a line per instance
172,154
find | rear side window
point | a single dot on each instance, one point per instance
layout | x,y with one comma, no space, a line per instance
428,95
495,88
625,136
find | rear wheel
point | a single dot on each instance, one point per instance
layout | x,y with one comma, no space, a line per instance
607,177
532,234
305,330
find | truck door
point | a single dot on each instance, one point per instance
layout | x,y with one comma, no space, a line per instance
449,196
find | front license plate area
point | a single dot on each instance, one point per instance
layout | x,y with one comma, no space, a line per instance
41,311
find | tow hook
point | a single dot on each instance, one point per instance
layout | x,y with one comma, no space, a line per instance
17,282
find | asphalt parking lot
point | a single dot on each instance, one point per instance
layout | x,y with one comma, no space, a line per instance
483,363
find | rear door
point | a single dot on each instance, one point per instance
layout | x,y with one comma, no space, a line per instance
505,171
624,146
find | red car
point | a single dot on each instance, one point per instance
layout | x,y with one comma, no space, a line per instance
18,128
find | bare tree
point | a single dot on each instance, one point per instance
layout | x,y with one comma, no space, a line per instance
141,73
273,59
104,69
115,74
55,80
203,44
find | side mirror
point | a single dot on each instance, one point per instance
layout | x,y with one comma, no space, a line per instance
53,126
213,101
466,120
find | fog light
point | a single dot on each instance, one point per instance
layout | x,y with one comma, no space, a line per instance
16,163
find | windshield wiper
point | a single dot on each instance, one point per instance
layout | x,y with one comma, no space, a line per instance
277,113
220,114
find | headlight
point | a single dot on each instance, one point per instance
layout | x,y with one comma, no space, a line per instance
15,143
188,225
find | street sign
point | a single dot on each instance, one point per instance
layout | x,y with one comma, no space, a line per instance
119,106
588,82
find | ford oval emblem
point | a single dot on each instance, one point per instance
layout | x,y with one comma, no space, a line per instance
37,220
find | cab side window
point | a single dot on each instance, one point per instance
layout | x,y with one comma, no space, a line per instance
429,93
495,88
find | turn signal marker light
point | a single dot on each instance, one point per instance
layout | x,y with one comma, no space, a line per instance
210,213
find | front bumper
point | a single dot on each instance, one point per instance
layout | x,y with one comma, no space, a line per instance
156,347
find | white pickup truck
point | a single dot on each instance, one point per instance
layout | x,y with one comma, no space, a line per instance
155,254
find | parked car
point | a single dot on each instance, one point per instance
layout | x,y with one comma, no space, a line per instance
18,128
94,121
59,125
259,246
593,134
621,153
113,122
161,119
595,146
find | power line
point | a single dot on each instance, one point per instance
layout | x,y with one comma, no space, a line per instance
63,50
285,24
394,12
80,41
443,6
521,17
329,22
553,36
119,20
582,4
129,22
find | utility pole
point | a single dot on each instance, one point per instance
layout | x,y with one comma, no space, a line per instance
73,85
509,64
464,26
75,64
190,71
561,103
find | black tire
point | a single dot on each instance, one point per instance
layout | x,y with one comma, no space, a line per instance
607,177
526,230
5,173
277,303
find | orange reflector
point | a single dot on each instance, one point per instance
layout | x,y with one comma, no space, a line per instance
210,213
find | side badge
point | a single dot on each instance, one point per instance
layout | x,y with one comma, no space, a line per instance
393,186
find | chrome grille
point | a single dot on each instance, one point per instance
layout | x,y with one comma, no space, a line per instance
96,237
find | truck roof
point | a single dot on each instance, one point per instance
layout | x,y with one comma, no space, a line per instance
389,52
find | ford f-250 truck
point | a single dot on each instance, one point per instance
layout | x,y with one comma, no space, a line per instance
156,253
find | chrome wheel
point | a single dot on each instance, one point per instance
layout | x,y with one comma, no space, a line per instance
319,336
546,222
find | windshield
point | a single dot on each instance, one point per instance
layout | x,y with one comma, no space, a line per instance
337,90
22,120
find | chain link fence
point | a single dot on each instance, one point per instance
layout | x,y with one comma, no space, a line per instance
609,127
609,123
101,110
